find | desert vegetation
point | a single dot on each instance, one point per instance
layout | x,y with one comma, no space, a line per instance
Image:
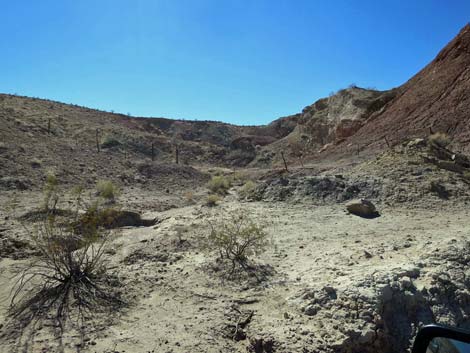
236,238
342,228
68,278
219,185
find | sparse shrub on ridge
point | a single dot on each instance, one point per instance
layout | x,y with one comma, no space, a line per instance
110,141
219,185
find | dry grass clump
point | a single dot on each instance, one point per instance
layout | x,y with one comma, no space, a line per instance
107,190
212,200
440,139
237,238
219,185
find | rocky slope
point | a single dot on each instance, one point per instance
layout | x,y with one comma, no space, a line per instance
327,121
82,145
435,100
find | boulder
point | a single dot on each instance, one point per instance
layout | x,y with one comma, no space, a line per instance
363,208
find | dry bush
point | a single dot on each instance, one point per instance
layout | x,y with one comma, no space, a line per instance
111,141
107,190
238,178
69,277
247,190
440,139
51,193
219,185
236,238
212,200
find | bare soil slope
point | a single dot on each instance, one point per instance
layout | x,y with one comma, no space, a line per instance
436,99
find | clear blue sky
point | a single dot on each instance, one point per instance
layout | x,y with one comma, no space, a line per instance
241,61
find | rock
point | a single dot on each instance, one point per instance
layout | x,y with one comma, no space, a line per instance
406,283
311,309
417,143
363,208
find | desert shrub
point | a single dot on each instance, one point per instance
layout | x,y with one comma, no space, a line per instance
50,192
236,238
212,200
107,190
69,277
219,185
439,138
247,190
110,141
238,178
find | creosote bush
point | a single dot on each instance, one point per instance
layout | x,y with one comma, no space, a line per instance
237,238
212,200
219,185
69,277
247,190
107,190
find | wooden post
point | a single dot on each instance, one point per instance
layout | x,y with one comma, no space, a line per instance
49,126
98,140
388,143
177,152
284,160
153,151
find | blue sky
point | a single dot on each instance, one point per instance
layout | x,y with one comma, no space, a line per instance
245,61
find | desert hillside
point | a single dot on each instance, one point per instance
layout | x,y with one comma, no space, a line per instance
339,229
434,100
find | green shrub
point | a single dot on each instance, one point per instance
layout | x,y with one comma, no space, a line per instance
212,200
107,190
219,185
236,238
247,190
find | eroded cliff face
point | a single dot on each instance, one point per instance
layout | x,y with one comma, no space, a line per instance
326,122
435,100
342,114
